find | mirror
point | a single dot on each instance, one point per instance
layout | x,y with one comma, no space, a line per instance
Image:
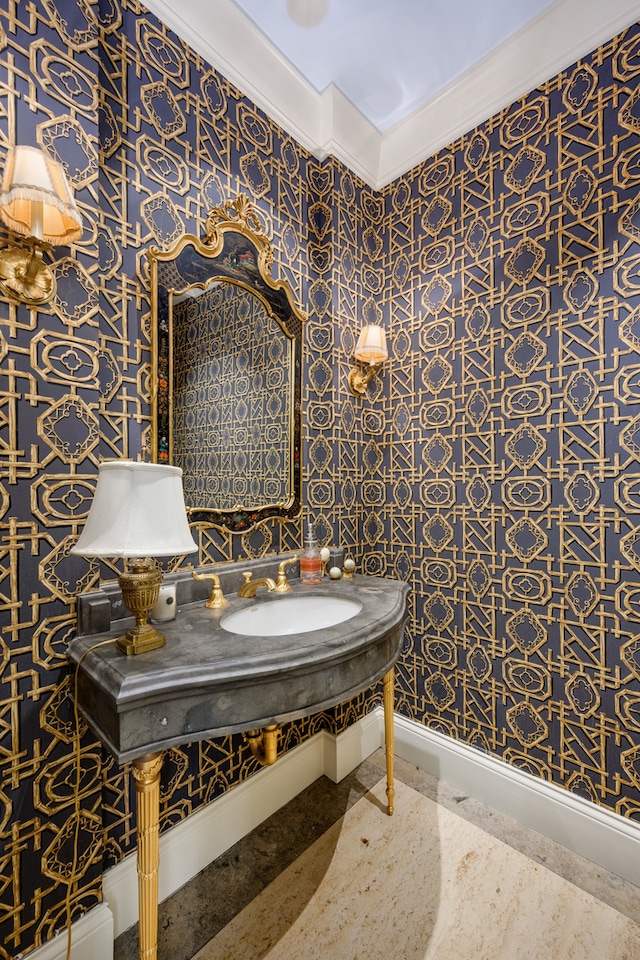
226,356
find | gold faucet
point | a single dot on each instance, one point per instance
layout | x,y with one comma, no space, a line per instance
282,584
216,599
249,587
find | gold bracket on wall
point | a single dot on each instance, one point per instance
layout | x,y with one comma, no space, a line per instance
24,277
264,744
359,379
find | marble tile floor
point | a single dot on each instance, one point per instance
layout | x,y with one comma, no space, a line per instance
446,878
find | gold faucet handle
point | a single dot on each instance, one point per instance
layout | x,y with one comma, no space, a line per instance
216,599
247,588
282,584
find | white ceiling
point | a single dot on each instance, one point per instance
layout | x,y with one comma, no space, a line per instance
383,84
388,57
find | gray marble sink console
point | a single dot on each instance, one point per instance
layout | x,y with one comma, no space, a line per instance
207,682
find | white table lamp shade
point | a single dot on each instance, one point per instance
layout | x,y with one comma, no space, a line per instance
137,511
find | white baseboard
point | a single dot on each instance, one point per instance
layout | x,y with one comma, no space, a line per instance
91,936
343,753
607,839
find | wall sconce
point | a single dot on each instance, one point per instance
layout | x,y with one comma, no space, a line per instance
371,349
35,201
138,513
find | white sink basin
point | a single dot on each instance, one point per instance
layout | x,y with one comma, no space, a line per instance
275,618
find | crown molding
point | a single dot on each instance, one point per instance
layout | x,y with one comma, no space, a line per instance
232,44
328,124
551,43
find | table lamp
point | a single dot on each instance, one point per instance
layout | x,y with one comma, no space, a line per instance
137,513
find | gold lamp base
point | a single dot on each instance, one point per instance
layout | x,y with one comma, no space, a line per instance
140,586
24,277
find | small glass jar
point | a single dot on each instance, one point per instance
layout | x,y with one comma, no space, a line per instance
310,559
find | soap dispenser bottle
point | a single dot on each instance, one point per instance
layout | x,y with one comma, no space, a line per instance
310,559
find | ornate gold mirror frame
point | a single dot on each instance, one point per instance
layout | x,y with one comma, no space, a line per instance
233,255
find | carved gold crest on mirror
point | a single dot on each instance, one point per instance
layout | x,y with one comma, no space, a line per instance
226,355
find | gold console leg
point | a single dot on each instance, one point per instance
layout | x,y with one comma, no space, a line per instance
146,774
387,699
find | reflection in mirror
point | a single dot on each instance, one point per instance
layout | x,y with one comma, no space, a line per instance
232,400
227,362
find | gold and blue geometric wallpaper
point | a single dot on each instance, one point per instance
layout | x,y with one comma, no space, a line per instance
232,400
509,441
494,464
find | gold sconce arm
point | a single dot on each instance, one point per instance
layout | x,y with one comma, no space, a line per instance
359,379
264,744
24,276
216,599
